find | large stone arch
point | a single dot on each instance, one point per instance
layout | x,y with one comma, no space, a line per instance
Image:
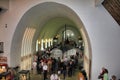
26,33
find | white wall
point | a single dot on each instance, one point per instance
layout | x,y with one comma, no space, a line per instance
104,36
4,4
102,30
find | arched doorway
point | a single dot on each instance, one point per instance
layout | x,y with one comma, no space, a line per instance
29,28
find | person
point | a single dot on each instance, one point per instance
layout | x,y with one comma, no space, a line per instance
104,74
85,74
45,68
64,70
80,74
101,74
54,76
34,67
70,69
114,77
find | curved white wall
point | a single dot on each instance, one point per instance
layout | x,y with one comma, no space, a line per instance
102,30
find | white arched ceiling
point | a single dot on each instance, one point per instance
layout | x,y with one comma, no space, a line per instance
56,24
33,21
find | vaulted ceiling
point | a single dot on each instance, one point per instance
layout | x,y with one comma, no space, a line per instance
48,19
56,26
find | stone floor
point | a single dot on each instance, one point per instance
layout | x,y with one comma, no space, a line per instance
40,77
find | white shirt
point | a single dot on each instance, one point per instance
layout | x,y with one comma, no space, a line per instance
54,77
34,65
45,67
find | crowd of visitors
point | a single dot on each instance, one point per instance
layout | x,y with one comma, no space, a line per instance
49,66
52,68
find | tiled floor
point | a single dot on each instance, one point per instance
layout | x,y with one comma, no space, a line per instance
40,77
